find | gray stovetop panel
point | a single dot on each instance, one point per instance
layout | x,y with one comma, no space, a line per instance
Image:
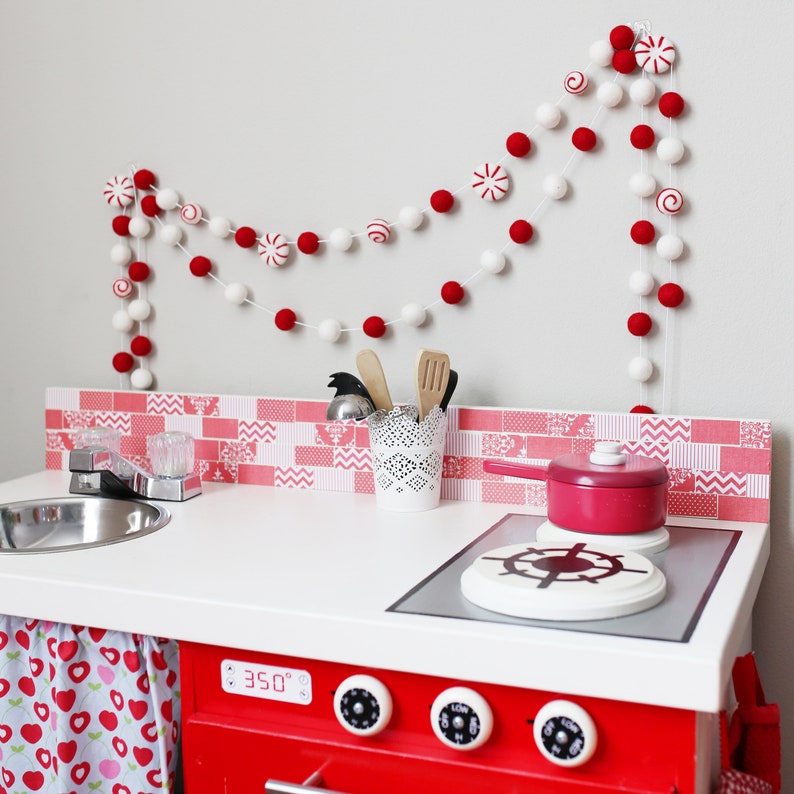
692,565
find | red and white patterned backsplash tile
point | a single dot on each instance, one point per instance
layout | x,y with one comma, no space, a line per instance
719,468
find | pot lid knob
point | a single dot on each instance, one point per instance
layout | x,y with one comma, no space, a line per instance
607,453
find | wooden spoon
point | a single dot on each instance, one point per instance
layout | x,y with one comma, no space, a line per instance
432,376
371,372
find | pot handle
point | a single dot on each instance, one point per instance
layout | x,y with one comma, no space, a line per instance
524,470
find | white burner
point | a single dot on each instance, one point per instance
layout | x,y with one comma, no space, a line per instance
649,542
561,580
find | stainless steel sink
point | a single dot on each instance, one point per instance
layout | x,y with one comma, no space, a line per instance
45,525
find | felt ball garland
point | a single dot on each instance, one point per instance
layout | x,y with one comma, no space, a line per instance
490,181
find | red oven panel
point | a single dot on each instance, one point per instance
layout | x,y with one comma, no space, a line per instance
234,742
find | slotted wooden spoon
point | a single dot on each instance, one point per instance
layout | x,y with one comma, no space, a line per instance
371,371
432,376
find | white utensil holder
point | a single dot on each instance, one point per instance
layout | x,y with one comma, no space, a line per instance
407,458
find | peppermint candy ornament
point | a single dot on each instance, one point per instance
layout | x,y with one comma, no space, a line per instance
274,249
576,82
669,201
119,191
654,54
122,287
191,214
490,181
378,230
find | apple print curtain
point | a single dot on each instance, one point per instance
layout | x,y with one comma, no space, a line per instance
86,710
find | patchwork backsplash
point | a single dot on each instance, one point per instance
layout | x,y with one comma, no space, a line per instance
719,468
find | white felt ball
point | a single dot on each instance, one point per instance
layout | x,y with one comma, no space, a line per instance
220,227
170,234
670,150
141,378
413,314
341,239
492,261
235,292
601,53
167,198
642,184
139,309
642,91
139,227
640,368
641,283
555,186
122,321
120,254
609,94
411,217
329,330
548,115
669,246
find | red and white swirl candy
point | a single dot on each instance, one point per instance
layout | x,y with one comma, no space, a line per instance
378,230
490,181
654,54
274,249
191,213
669,201
119,191
576,82
122,287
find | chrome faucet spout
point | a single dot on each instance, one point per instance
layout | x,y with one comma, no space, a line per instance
102,471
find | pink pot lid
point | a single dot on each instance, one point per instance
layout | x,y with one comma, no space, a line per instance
637,472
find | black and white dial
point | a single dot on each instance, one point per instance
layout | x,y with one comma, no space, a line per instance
565,733
363,705
461,718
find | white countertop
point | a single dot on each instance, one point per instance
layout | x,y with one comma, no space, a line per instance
311,574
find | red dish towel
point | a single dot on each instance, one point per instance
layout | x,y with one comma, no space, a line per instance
751,742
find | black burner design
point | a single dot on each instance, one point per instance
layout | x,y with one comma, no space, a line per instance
574,563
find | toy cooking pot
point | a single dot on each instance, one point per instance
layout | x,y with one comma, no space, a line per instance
606,492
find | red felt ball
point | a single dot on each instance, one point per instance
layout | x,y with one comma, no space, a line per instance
639,323
285,319
671,104
123,362
521,231
200,266
642,137
149,206
642,409
374,327
452,292
670,295
245,237
143,179
141,346
518,144
621,37
584,139
442,201
138,271
624,61
643,232
121,225
308,243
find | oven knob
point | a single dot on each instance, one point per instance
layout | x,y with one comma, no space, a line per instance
565,733
362,705
461,718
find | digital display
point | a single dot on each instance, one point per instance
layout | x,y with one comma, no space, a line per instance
266,681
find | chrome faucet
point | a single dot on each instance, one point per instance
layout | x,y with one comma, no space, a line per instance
101,471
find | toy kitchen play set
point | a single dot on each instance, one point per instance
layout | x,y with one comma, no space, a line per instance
378,598
329,644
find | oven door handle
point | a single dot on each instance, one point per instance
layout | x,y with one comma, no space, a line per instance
314,784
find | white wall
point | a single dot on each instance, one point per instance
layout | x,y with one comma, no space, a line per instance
310,114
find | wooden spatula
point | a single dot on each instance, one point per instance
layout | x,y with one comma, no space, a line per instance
371,372
432,375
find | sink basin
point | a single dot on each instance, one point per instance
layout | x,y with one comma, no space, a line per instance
45,525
